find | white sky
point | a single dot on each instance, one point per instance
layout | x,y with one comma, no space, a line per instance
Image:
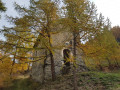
10,10
109,8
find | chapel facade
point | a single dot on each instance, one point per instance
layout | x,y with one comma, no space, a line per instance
63,48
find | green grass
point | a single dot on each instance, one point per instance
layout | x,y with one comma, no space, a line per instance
106,80
23,84
86,81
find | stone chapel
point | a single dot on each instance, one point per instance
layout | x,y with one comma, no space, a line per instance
41,69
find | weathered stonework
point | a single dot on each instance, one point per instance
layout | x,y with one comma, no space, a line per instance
62,42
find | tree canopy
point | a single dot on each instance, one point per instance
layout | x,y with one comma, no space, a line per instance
33,32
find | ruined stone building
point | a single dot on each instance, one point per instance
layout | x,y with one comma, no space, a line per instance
64,43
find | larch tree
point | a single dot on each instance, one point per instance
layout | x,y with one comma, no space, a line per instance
102,48
81,18
32,30
2,7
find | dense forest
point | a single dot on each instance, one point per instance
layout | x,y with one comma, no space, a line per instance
92,34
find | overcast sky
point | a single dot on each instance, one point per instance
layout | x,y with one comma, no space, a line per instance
10,10
109,8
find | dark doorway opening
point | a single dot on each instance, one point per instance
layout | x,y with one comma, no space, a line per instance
66,56
66,53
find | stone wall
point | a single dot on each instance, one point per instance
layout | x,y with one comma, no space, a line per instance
42,70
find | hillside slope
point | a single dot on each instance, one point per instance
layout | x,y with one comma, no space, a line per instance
86,81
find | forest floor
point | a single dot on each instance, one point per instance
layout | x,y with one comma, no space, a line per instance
86,81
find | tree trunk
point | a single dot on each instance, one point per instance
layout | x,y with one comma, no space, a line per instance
74,67
52,67
28,69
44,66
110,65
52,59
117,64
13,62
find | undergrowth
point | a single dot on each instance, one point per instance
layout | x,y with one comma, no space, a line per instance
86,81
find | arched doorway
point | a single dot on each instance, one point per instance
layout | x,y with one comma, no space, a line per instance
66,55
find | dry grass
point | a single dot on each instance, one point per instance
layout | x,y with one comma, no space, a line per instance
86,81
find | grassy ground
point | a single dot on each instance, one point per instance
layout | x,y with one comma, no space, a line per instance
86,81
99,81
